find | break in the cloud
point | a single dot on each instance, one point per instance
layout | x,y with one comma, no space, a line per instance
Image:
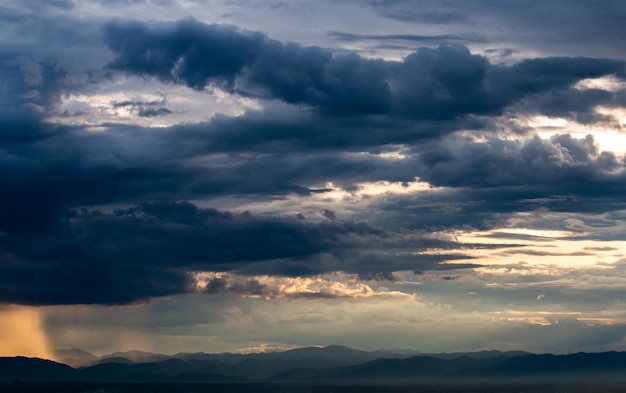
157,159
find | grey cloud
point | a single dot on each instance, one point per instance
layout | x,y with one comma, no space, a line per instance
252,287
408,12
571,163
32,90
483,179
192,54
444,82
545,253
30,81
328,214
606,248
152,112
424,39
145,109
62,4
577,27
49,172
379,276
48,28
150,250
578,105
537,76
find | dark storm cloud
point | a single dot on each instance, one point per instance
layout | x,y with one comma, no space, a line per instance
32,88
50,281
28,80
570,103
248,287
579,105
533,76
443,82
328,214
151,249
252,287
32,162
568,164
197,54
153,112
73,168
285,132
292,289
54,252
481,179
486,180
38,194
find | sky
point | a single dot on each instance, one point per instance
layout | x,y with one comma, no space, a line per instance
255,175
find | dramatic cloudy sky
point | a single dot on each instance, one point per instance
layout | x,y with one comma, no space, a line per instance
213,175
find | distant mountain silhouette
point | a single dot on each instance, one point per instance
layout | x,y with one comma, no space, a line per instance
170,370
137,356
608,365
315,364
33,370
116,359
75,357
476,355
329,356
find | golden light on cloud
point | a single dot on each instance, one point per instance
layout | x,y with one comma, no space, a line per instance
267,347
608,134
539,247
618,113
535,232
609,83
22,333
547,122
337,285
547,318
377,188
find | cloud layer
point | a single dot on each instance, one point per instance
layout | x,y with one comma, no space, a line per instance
442,162
144,241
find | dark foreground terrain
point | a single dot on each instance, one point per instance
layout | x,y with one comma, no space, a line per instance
471,387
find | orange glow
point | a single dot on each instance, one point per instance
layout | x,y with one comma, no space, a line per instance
22,333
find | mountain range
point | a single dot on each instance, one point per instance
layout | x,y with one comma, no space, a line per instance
312,365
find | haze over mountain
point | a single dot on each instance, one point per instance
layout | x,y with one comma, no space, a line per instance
331,364
333,354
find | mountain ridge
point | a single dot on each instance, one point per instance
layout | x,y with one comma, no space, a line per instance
314,364
73,357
